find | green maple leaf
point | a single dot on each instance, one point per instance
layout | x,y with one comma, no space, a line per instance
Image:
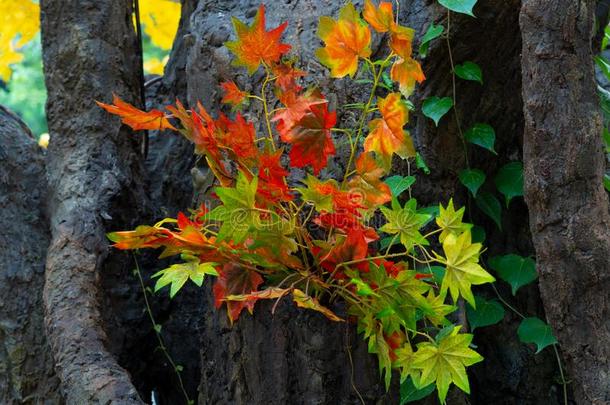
178,274
406,222
237,212
319,193
444,362
450,221
462,266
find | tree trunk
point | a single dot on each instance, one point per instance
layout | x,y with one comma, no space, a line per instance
26,366
564,165
89,51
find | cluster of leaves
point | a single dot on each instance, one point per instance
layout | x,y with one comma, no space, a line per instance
268,236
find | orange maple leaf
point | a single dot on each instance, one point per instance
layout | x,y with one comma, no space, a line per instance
346,40
255,45
233,95
380,18
367,182
136,118
272,184
310,138
387,135
237,137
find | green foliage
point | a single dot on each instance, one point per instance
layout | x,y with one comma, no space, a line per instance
398,184
435,108
482,135
534,330
472,179
515,270
26,93
509,180
486,313
489,204
459,6
469,71
178,274
410,393
433,32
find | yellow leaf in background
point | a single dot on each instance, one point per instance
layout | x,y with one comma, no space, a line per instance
160,20
155,66
19,23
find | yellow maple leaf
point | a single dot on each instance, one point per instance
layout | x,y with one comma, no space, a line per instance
346,40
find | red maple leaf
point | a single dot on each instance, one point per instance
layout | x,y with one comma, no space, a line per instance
232,94
272,184
310,138
234,279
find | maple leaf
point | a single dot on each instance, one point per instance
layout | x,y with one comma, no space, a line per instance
255,45
348,248
444,362
233,95
178,274
405,222
346,40
305,301
462,267
450,221
406,72
310,138
143,236
286,76
272,184
387,135
297,106
237,136
234,279
136,118
237,211
367,182
381,18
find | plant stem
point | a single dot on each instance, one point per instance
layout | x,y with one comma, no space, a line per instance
564,384
263,98
158,333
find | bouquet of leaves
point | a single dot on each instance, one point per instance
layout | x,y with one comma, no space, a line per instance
311,240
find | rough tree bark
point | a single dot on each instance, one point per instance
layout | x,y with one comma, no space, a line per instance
564,165
89,50
26,366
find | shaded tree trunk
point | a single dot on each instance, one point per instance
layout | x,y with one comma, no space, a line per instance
564,165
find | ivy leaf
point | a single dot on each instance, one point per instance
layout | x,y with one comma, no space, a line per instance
472,179
444,362
509,180
515,270
487,313
469,71
534,330
459,6
482,135
255,45
435,108
607,182
433,32
409,393
387,135
406,222
178,274
398,184
345,41
421,163
490,205
462,267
